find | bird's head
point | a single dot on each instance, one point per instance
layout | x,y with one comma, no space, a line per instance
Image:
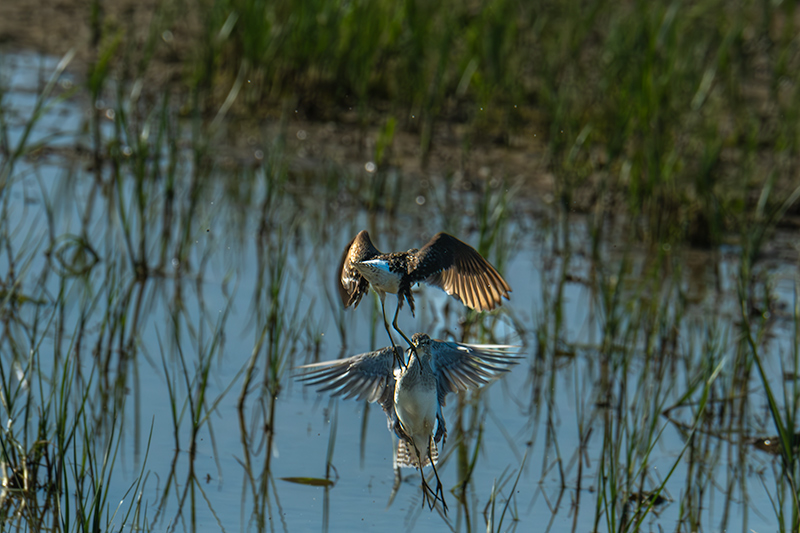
420,339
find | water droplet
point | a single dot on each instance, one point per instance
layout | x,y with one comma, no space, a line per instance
110,114
258,154
175,262
370,167
420,200
302,135
167,36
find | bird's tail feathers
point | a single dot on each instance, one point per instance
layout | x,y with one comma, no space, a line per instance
407,457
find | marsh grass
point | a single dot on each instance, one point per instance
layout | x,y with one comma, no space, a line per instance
754,298
652,109
58,452
675,114
672,134
490,513
640,325
67,401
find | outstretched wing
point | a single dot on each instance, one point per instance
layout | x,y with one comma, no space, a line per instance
468,366
366,376
349,282
459,270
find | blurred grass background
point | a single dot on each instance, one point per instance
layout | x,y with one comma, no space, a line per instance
682,116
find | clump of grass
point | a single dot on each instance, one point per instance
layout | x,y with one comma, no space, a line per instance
58,449
58,456
754,328
649,354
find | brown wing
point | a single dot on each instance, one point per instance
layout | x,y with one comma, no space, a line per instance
459,270
349,282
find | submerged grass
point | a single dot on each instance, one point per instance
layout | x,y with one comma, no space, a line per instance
651,356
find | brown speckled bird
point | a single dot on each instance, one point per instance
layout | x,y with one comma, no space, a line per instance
445,262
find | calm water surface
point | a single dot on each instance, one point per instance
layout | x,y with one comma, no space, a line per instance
234,263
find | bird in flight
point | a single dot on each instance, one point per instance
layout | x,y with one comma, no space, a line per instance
412,396
445,262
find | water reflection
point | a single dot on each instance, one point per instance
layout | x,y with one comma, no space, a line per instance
156,295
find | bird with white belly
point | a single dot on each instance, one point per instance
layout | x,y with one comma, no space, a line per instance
413,396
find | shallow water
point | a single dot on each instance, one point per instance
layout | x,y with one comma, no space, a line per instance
241,263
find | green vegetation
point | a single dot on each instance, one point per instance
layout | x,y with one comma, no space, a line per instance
677,114
178,248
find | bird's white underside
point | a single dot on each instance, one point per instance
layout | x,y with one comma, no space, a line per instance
379,276
416,410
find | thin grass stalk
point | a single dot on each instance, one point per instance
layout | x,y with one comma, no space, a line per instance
39,109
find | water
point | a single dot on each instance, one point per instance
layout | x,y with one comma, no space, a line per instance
227,274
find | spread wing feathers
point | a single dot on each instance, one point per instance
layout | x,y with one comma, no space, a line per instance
461,367
366,376
350,283
407,457
459,270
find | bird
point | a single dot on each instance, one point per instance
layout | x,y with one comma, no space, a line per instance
412,396
445,262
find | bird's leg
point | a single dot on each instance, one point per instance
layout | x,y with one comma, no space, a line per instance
398,354
394,325
426,489
439,493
